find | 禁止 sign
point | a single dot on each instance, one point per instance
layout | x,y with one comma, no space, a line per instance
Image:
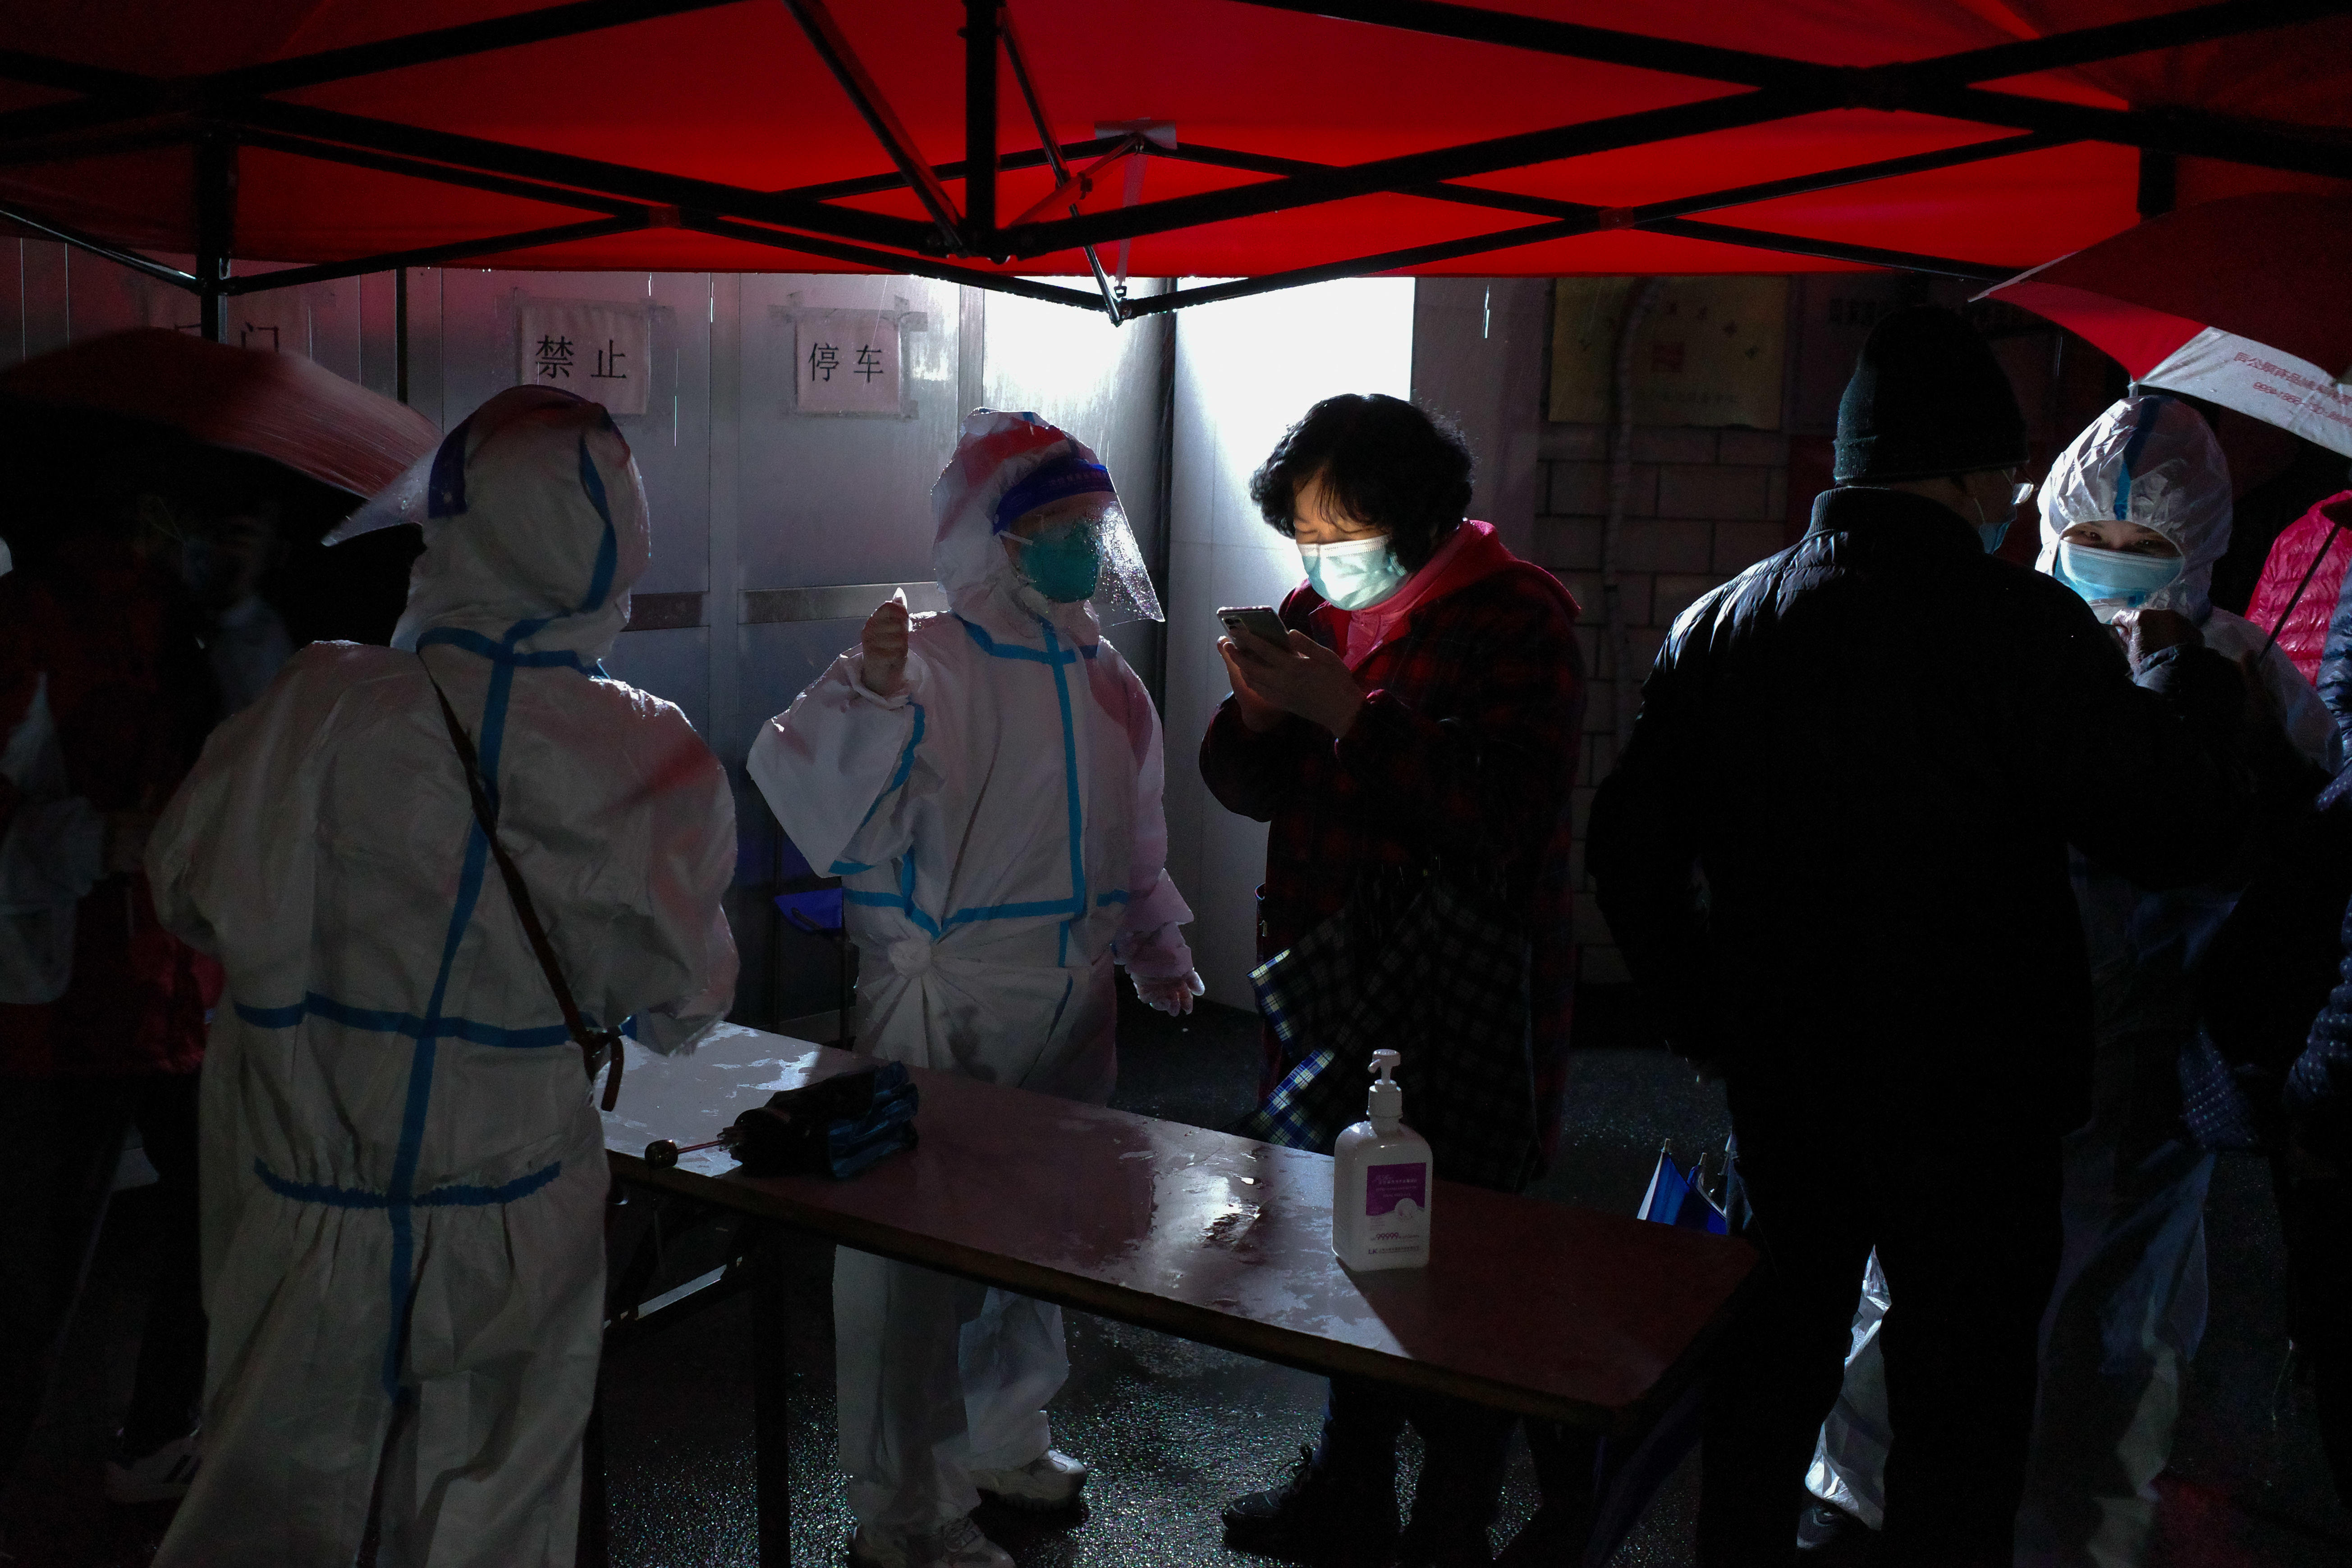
602,353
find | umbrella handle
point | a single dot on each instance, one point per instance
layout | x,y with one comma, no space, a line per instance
2334,528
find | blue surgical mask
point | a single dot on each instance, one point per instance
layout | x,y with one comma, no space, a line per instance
2102,575
1355,574
1991,533
1062,563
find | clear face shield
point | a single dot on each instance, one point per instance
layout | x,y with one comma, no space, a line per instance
1082,548
434,487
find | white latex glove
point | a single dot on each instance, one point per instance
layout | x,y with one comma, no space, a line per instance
883,646
1171,995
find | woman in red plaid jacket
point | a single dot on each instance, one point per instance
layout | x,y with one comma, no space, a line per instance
1431,695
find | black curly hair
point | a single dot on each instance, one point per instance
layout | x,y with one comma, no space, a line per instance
1384,462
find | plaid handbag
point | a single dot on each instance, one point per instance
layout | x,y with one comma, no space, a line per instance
1423,962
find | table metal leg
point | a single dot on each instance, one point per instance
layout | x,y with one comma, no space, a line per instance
771,1380
595,1543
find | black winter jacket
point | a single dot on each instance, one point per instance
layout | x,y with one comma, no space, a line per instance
1835,851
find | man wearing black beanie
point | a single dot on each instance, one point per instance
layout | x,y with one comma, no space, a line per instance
1835,856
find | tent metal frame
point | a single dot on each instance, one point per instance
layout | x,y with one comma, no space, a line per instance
215,115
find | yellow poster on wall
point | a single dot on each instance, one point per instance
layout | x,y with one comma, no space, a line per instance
1709,353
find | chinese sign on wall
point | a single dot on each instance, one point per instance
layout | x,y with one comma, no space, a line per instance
267,320
1710,352
602,353
847,361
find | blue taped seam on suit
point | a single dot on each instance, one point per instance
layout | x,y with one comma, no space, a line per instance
904,904
389,1023
1013,911
1075,906
903,900
456,1196
907,757
1069,775
994,650
422,1060
608,549
898,777
419,1097
401,1198
2141,431
898,901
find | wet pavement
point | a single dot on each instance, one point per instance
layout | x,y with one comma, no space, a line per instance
1173,1429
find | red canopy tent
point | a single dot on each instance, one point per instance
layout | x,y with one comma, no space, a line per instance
1311,139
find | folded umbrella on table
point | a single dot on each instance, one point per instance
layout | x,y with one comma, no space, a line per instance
836,1127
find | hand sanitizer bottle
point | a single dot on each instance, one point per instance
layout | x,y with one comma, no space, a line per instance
1381,1179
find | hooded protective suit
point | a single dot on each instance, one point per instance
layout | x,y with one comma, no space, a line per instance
997,823
403,1173
2152,460
2128,1308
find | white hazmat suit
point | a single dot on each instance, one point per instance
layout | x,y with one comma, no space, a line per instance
997,825
404,1172
2128,1307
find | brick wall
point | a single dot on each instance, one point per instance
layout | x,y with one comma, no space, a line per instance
1703,505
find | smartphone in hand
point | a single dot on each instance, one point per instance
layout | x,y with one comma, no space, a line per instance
1258,620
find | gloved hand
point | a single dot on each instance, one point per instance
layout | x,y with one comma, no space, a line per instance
2147,633
883,645
1171,995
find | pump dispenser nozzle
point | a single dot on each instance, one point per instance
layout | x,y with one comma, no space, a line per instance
1382,1182
1386,1101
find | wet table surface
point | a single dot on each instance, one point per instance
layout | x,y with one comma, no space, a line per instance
1542,1309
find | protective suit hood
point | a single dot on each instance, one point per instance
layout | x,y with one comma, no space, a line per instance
994,452
2150,460
534,520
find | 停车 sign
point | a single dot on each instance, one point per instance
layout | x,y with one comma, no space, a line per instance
847,361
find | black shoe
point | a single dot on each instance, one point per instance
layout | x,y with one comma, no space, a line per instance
1317,1517
1829,1537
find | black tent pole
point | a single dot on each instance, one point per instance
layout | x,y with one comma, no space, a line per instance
400,333
979,70
215,161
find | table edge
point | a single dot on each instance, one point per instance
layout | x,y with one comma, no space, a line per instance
1201,1325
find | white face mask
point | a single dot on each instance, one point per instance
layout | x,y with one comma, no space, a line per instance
1355,574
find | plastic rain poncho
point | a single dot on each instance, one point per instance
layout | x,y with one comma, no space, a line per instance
2128,1308
997,823
404,1175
